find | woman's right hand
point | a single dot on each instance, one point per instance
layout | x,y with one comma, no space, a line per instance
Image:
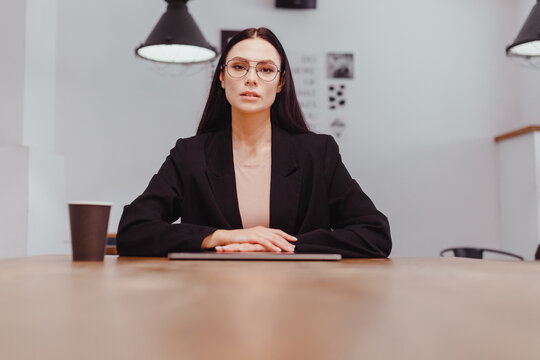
271,239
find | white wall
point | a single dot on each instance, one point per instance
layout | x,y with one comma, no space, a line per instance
519,174
519,165
12,34
432,89
40,75
529,78
33,213
13,177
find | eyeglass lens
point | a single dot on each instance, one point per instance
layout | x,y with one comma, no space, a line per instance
239,68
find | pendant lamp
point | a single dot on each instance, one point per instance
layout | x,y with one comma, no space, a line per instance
527,43
176,38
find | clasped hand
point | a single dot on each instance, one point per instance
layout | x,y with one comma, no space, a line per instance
257,238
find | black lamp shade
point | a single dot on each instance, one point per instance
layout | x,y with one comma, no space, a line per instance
296,4
527,43
176,38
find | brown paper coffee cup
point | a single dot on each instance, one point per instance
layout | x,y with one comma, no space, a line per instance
89,221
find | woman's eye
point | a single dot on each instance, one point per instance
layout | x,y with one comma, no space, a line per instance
267,70
239,67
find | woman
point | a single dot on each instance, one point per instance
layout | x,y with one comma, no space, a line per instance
254,178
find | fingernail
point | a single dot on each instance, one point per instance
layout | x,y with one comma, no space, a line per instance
294,238
219,247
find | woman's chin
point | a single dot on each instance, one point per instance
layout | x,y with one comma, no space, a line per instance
250,108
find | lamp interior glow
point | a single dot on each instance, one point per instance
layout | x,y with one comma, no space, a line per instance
176,53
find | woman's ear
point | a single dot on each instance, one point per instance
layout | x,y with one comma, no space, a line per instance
222,81
281,83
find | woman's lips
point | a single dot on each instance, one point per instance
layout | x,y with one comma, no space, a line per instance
250,95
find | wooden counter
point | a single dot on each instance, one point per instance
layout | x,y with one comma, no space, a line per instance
135,308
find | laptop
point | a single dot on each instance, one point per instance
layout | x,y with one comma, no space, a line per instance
252,256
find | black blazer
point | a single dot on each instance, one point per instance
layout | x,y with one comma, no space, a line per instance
312,196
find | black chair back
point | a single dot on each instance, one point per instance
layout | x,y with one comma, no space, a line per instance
477,253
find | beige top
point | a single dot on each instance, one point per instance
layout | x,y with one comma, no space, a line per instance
253,189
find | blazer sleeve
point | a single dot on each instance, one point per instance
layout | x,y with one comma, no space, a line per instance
146,228
358,229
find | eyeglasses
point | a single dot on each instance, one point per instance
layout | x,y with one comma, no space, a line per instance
239,68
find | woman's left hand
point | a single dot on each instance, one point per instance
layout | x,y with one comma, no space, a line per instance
241,247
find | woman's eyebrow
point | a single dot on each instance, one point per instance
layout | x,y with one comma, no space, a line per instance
244,59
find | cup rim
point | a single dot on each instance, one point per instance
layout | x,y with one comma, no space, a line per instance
98,203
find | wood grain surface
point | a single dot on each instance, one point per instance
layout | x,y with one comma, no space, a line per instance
149,308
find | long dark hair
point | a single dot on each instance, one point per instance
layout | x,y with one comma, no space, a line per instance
284,112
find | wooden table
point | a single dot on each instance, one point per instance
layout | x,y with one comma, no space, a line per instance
135,308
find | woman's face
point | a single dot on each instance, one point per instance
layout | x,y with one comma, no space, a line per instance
250,94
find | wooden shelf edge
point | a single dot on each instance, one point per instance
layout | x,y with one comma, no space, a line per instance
517,132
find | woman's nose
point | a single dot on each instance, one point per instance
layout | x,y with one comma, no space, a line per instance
251,75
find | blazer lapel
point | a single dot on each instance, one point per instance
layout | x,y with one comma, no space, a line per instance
286,182
220,174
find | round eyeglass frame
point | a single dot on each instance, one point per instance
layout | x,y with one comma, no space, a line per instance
247,71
